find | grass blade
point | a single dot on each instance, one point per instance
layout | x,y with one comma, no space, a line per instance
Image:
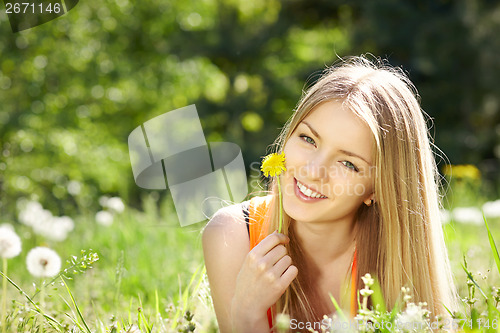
76,306
337,307
492,245
469,275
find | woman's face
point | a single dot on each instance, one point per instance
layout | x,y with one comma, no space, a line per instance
330,170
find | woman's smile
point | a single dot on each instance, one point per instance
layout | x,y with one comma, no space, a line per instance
306,194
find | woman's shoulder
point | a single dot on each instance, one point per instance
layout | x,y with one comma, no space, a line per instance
233,216
228,216
231,220
226,227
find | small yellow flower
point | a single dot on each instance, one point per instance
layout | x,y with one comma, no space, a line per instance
467,171
273,165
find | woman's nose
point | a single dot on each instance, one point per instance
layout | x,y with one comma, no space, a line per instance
316,170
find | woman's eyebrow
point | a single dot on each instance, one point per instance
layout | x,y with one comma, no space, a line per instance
350,153
312,129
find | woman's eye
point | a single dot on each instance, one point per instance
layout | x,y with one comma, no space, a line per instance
350,165
308,139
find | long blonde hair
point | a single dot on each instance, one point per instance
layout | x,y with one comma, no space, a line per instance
399,239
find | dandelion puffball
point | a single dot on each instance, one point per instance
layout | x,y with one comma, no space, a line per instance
10,243
116,204
43,262
104,218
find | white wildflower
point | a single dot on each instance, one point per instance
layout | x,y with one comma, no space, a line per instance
468,215
43,262
10,243
115,204
368,280
492,209
445,216
133,329
336,324
104,218
412,319
283,321
366,292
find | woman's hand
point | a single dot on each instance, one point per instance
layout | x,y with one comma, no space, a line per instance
264,276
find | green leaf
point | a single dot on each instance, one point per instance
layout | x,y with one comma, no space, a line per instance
377,296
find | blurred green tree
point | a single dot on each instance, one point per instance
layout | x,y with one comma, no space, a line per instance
72,89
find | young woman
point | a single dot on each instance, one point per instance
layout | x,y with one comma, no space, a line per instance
360,196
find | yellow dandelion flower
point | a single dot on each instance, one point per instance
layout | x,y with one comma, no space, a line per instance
467,171
273,165
470,171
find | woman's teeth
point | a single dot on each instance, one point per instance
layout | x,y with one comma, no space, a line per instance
308,192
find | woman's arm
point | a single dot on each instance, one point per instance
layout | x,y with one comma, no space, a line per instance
243,284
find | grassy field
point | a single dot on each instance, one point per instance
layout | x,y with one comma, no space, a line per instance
150,275
146,260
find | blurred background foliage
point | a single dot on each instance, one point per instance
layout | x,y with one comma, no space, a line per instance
73,89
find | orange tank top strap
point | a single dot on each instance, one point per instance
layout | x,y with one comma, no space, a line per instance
258,220
354,279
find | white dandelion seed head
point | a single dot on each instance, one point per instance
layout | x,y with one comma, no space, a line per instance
468,215
103,201
10,243
104,218
43,262
42,221
492,209
116,204
31,212
55,228
74,187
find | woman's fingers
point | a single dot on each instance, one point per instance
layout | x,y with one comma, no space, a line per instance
272,257
288,276
268,243
281,266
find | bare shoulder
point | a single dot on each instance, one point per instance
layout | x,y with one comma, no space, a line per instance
227,225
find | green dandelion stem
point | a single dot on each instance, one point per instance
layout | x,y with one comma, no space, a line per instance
280,213
4,295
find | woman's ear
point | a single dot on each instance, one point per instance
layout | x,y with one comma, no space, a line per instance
370,200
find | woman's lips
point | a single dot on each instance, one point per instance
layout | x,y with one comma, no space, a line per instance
302,196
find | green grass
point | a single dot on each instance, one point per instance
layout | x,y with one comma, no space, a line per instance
150,274
146,261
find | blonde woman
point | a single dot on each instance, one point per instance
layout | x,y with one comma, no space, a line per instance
360,196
